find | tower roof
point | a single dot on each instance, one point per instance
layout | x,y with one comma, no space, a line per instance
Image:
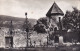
54,10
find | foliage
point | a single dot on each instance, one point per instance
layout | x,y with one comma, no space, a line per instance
27,25
71,20
41,25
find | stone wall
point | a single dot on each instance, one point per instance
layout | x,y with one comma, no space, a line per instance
20,37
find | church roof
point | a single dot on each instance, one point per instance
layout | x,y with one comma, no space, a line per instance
54,10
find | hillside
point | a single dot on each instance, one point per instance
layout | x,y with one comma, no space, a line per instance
17,22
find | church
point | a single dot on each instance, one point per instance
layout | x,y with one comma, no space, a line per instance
55,14
17,37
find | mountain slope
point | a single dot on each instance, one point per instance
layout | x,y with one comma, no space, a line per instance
17,22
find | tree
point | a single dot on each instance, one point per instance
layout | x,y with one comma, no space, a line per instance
44,21
71,20
41,25
27,27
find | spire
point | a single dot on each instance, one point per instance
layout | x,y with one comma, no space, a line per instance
54,10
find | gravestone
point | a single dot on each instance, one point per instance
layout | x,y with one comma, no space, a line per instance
60,40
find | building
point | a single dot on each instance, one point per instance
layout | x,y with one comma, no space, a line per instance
12,38
55,14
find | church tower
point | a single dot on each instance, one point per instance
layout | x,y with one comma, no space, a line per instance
55,14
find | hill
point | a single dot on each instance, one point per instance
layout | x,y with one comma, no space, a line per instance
17,22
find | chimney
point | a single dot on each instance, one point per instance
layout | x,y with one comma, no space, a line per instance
60,25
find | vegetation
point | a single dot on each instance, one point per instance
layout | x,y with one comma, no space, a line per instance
27,25
41,25
71,20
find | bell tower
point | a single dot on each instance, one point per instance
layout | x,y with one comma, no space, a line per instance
55,14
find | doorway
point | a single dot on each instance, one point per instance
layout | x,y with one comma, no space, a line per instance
8,42
56,39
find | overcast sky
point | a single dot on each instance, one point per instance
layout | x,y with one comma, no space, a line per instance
35,8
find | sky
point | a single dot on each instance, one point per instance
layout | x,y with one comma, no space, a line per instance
34,8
